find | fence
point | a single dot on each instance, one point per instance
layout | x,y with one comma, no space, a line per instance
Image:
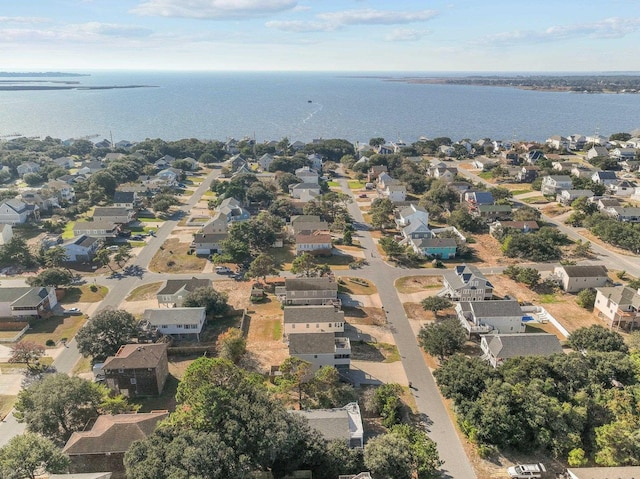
543,316
17,336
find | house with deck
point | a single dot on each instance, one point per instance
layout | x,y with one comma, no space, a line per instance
306,291
337,424
174,291
137,370
618,307
27,302
466,283
321,349
313,319
81,248
482,317
97,229
497,348
180,323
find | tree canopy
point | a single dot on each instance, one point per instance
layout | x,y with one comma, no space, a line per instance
597,338
30,455
442,338
214,302
105,332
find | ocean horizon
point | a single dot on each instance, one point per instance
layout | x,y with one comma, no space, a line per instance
305,105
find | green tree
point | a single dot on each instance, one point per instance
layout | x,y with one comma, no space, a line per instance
327,390
389,456
105,332
526,213
596,338
31,455
262,266
618,443
378,141
122,255
26,352
55,257
296,374
435,304
58,415
577,458
347,238
587,298
305,265
443,338
16,252
426,460
53,277
463,220
381,211
232,345
103,258
214,302
463,378
391,247
583,249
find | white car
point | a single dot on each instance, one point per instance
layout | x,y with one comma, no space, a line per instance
222,270
524,471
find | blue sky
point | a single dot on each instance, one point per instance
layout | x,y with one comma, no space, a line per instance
329,35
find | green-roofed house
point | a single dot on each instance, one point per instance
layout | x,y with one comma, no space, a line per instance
27,302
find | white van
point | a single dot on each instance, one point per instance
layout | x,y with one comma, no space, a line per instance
526,471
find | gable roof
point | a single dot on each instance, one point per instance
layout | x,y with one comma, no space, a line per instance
621,295
137,356
113,433
332,424
110,211
606,175
124,197
314,238
311,284
483,309
523,344
312,343
625,472
312,314
435,243
172,286
23,296
16,205
585,271
157,316
81,240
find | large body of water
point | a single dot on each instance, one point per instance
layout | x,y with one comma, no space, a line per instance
303,106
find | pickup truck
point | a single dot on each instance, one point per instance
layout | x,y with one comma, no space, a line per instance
526,471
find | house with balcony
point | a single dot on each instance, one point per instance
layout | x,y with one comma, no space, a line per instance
316,243
567,197
411,214
597,151
625,214
174,291
307,175
482,317
552,185
490,213
113,214
179,323
622,154
395,193
440,248
526,174
606,178
27,302
498,228
312,319
306,291
14,212
137,370
125,199
573,279
97,229
618,307
304,191
321,349
497,348
265,161
466,283
81,248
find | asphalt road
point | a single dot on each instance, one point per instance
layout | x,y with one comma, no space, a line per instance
427,396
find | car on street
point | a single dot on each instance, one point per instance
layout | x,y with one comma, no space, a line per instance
181,185
525,471
73,311
124,234
223,270
137,238
363,195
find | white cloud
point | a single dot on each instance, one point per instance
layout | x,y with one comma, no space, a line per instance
299,26
23,20
376,17
82,32
213,9
405,35
114,30
614,27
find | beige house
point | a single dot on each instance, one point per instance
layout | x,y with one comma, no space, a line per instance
618,306
321,349
313,319
576,278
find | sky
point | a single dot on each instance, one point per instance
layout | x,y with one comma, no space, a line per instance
321,35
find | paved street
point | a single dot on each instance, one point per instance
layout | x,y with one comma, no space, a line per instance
427,396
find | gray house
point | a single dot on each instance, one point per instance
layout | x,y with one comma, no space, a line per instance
499,347
174,290
479,317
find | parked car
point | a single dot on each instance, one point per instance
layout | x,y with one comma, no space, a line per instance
137,238
181,185
525,471
363,195
124,234
73,311
112,248
222,270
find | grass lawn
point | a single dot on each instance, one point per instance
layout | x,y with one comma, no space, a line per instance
486,175
333,183
196,180
16,368
372,351
6,404
142,229
68,230
83,294
187,193
144,292
209,194
356,185
150,220
137,244
535,200
548,299
215,327
82,366
416,284
283,256
172,257
521,192
55,328
359,286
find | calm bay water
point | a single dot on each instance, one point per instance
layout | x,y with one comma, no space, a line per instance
274,105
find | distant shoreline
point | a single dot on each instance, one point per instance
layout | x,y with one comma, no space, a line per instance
68,87
40,74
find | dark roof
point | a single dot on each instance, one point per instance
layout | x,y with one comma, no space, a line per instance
312,314
16,295
124,197
585,271
31,298
82,240
523,344
173,316
172,286
312,343
483,309
310,284
110,211
332,424
137,356
113,433
607,175
94,225
315,238
435,242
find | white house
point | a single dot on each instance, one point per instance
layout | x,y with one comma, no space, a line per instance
576,278
551,185
558,142
313,319
176,322
26,302
316,161
395,193
321,349
479,317
618,306
337,424
307,175
499,347
265,161
81,248
318,242
623,153
304,191
606,178
411,214
622,189
14,212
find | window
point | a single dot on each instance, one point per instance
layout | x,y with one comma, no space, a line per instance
132,380
120,370
307,326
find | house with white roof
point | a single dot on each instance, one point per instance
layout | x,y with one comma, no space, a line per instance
176,322
481,317
337,424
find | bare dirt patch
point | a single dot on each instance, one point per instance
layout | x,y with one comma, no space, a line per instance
365,316
264,339
415,312
357,286
144,292
487,251
172,257
417,284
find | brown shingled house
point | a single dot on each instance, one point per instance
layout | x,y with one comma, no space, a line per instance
138,369
102,447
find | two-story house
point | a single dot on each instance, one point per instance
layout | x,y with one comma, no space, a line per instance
27,302
14,212
481,317
618,306
321,349
307,175
137,370
411,214
576,278
176,322
312,319
606,178
113,214
552,185
497,348
125,199
81,248
301,291
567,197
316,243
97,229
466,283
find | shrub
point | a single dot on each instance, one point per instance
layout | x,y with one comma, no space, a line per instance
93,288
171,263
50,343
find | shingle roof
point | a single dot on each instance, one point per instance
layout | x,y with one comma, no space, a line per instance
435,242
606,175
312,343
110,211
310,284
157,316
494,208
172,286
123,197
94,225
523,344
312,314
585,271
81,240
32,297
626,472
113,433
137,356
333,424
621,295
484,309
316,238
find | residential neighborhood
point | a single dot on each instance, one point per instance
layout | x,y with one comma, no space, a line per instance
361,291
